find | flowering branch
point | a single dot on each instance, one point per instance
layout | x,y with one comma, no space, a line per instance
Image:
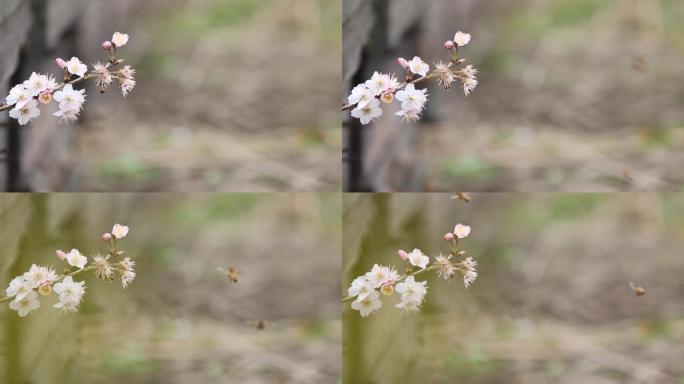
364,292
22,101
23,290
364,100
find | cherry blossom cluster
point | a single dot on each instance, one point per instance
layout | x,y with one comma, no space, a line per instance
366,99
24,290
366,290
23,99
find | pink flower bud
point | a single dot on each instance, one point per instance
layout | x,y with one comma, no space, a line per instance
449,237
107,237
404,64
107,45
60,63
402,254
60,254
449,45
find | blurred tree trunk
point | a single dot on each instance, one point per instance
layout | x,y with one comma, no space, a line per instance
376,349
35,212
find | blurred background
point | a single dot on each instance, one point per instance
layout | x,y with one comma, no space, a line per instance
181,321
232,95
574,95
552,304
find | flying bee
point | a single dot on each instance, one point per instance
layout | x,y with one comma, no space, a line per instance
640,63
462,196
259,324
231,273
639,291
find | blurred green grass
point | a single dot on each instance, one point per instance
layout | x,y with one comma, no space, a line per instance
126,169
195,22
178,26
468,168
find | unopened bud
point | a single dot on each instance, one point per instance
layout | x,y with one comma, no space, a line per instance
449,45
449,237
60,63
107,45
402,254
107,237
404,64
60,254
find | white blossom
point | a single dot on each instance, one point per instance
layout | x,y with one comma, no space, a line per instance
380,83
37,276
412,99
18,288
378,275
26,112
461,231
70,103
120,231
461,39
412,294
76,259
76,67
26,304
360,96
18,96
418,259
70,99
36,84
369,112
412,103
368,304
360,288
70,294
418,66
120,39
